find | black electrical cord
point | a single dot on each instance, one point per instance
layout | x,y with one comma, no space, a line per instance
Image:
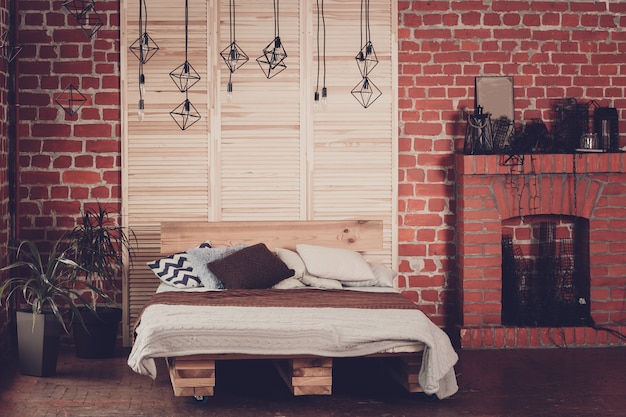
231,15
317,83
324,51
276,21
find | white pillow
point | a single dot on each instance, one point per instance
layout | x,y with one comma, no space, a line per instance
288,284
384,274
292,260
384,277
335,263
318,282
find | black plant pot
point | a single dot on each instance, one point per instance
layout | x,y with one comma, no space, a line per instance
99,339
38,345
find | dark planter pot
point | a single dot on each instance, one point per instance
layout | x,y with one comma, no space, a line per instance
38,346
99,339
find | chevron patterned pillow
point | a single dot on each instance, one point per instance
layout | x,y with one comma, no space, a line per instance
176,270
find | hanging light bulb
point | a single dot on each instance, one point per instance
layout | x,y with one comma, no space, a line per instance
144,42
142,84
324,101
229,92
316,101
140,111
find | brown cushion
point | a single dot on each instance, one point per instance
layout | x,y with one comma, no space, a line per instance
254,267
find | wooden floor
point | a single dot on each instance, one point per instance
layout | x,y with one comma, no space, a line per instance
549,382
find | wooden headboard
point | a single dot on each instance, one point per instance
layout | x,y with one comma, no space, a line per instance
366,236
358,235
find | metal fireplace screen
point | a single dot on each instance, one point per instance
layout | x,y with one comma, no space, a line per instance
551,289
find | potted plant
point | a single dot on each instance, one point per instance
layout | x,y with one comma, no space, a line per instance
46,287
98,245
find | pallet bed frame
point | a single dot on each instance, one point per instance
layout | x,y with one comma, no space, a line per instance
194,375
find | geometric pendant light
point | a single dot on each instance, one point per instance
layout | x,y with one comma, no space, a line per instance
9,49
143,48
70,99
366,59
185,77
185,114
84,11
234,57
366,91
272,62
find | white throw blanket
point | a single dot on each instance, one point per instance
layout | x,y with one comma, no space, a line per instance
174,330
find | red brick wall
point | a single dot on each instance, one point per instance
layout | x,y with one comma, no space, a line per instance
552,49
67,162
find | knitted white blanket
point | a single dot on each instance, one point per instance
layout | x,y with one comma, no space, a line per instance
174,330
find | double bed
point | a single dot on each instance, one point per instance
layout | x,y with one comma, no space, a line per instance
315,307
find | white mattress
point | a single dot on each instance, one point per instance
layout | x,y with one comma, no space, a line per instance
181,330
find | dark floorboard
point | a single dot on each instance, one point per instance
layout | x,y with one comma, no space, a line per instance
532,382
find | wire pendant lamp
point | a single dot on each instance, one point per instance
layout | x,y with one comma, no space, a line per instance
143,48
366,91
234,57
185,77
272,62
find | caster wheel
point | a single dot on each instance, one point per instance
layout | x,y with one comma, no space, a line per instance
200,399
430,397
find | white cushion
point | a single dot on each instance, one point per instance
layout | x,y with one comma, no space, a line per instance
335,263
384,274
384,277
288,284
292,260
318,282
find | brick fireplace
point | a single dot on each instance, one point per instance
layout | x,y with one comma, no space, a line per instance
493,191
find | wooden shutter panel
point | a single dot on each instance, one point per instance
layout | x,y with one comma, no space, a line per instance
267,155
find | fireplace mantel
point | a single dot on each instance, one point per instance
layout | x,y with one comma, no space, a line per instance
537,164
589,185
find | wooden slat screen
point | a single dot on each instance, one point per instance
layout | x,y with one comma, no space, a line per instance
267,154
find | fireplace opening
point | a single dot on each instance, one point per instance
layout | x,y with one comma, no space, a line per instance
545,272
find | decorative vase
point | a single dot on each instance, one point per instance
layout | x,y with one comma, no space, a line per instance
99,339
38,343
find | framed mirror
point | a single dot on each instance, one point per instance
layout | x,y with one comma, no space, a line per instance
495,95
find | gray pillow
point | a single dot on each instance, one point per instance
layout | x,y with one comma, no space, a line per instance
199,258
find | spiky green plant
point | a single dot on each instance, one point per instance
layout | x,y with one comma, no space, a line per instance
98,246
45,285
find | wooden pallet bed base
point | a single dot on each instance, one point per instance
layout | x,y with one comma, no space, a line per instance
307,375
